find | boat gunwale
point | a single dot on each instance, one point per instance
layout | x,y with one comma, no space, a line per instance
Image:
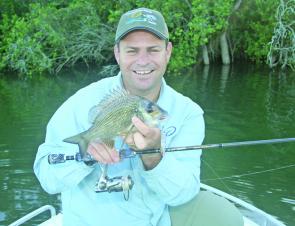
243,204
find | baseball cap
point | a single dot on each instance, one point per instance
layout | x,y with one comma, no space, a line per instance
142,19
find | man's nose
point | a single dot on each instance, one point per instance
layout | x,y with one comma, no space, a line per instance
143,58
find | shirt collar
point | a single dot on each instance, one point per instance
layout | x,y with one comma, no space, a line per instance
118,82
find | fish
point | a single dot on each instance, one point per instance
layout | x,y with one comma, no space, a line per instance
111,118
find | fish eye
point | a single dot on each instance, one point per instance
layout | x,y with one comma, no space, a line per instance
149,107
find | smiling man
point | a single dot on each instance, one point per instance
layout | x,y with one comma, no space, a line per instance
142,50
143,59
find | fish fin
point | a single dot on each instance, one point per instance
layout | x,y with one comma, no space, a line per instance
80,141
106,102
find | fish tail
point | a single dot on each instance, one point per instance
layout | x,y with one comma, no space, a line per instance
81,141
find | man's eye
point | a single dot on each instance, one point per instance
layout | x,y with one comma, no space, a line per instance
131,51
155,50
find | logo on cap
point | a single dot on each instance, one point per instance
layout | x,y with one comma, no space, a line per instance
141,16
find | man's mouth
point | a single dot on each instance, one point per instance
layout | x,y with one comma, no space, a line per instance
146,72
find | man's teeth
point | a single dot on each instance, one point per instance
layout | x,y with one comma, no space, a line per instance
142,72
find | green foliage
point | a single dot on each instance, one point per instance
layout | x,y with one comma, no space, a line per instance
57,34
21,50
191,24
282,45
86,38
252,28
45,36
14,7
24,46
209,19
48,38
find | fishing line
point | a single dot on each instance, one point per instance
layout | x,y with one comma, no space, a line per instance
249,174
218,177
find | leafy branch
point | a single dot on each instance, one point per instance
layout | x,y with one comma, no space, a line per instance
282,45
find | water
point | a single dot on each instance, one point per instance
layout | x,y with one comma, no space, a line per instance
240,103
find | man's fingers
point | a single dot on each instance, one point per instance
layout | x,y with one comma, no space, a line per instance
129,139
139,141
101,153
97,152
140,126
146,137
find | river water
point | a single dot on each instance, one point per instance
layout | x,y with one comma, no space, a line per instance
241,103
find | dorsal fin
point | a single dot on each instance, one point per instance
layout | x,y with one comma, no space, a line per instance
106,101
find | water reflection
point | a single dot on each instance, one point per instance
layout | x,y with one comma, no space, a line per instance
279,112
243,103
225,70
240,103
26,107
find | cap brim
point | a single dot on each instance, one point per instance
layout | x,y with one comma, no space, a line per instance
154,32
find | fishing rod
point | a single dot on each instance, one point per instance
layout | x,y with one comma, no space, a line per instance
221,145
124,184
129,153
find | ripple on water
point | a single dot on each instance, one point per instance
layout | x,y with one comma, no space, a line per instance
5,162
289,201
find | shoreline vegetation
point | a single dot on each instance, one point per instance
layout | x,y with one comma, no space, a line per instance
38,37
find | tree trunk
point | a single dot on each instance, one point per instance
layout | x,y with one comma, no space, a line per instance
237,5
230,51
205,55
224,49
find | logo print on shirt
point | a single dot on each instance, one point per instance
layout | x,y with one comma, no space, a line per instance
170,131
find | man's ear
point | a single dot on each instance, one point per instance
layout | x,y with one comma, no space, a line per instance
116,53
169,50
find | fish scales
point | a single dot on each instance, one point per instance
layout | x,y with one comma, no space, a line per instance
113,121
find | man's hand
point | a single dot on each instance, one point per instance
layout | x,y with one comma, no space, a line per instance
146,138
102,153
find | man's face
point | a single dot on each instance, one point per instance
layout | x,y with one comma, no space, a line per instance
143,59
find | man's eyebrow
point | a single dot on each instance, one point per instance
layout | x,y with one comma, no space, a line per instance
156,46
148,47
130,47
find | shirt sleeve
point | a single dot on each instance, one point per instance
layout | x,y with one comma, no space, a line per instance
176,179
59,177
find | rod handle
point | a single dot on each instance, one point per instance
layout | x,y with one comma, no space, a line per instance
56,158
